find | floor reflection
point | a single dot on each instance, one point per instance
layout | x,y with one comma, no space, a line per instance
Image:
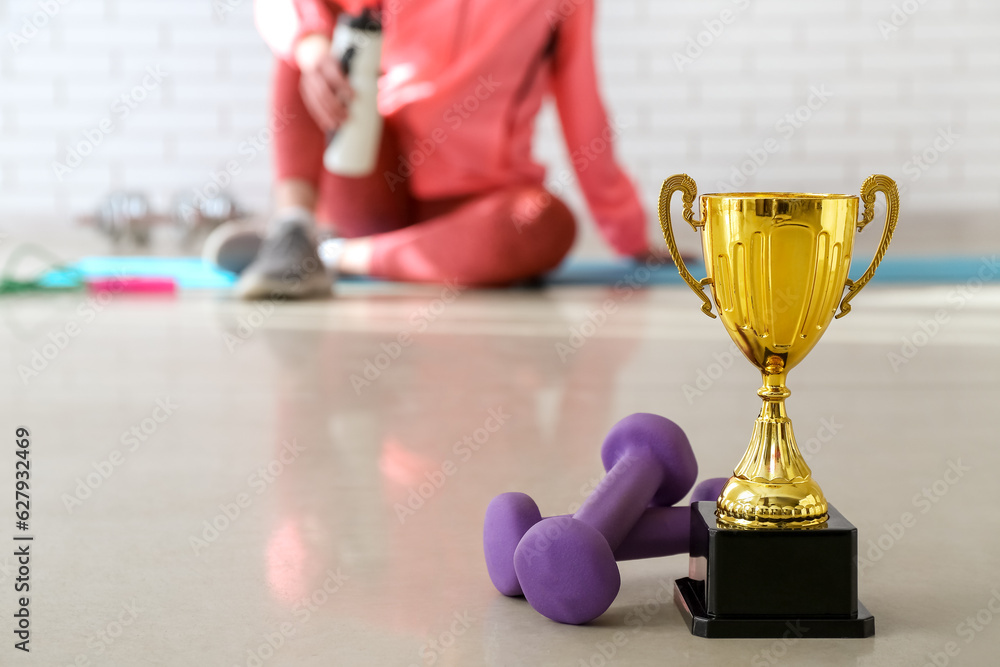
368,492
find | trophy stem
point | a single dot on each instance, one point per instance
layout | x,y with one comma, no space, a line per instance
772,487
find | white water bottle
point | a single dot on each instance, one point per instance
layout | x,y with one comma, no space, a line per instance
353,149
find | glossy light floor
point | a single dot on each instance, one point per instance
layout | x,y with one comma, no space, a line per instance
219,483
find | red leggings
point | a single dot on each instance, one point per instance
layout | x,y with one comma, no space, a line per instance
491,238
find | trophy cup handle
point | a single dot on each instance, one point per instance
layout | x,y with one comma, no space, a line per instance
689,189
873,184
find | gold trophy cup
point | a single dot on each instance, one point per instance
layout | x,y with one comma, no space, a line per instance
777,263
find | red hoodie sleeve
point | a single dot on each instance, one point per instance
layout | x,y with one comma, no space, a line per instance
283,22
609,193
316,16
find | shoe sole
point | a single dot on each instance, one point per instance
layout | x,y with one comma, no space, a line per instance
252,287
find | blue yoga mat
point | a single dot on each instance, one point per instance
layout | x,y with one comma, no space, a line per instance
192,273
894,270
187,272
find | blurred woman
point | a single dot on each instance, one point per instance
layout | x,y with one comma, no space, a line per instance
455,194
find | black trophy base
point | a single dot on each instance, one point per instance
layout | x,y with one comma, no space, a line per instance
773,583
690,599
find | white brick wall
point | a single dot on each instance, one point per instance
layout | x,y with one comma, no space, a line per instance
891,95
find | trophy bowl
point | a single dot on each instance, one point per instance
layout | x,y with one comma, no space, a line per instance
777,264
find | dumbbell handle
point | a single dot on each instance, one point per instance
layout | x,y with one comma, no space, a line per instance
659,532
622,495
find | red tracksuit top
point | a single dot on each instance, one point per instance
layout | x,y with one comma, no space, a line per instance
469,77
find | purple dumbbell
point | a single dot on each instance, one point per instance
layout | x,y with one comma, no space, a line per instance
660,531
566,565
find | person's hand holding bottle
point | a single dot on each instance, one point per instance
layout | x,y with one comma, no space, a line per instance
324,87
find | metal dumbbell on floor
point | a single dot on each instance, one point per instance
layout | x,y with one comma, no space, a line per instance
566,565
125,215
196,217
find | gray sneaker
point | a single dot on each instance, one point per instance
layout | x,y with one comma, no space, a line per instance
287,267
232,246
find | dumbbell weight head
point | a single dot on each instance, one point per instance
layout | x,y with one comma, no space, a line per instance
125,214
649,432
567,570
508,518
195,216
